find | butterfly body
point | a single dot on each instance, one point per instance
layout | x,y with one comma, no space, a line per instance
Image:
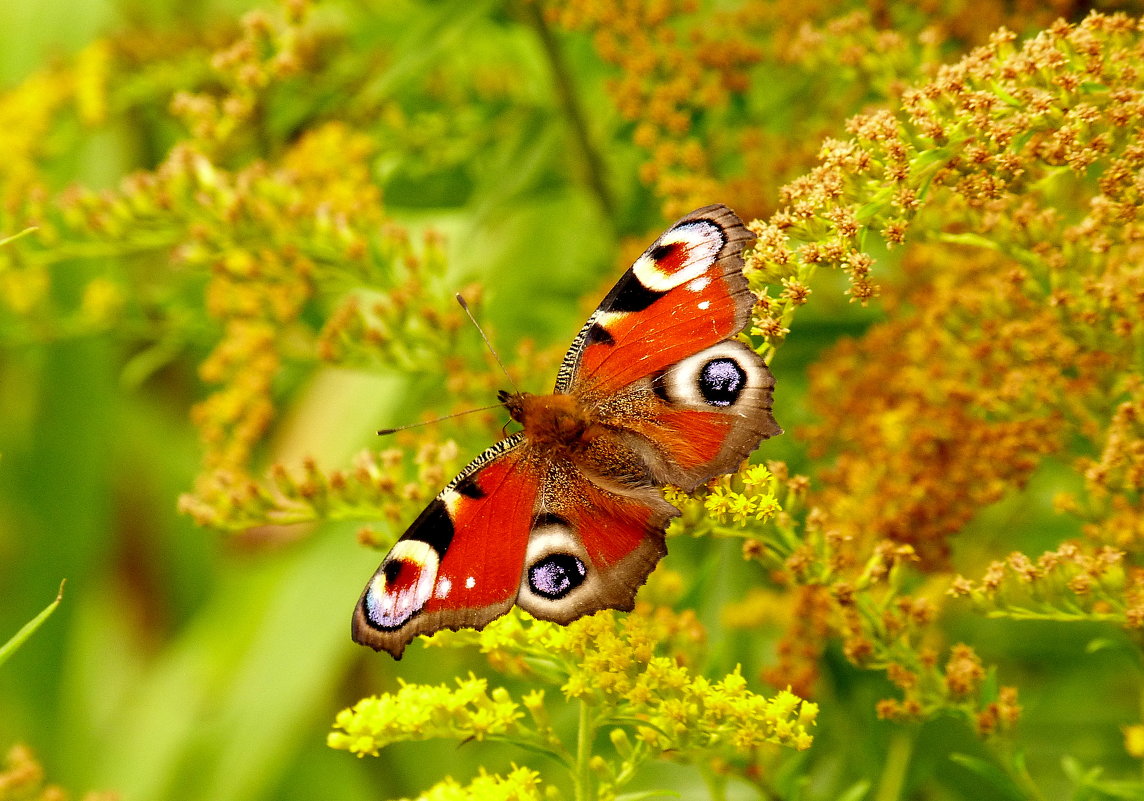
556,421
567,516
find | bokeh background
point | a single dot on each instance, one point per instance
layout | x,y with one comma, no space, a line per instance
250,220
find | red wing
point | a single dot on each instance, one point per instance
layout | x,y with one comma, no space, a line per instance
693,438
658,357
685,293
590,548
513,527
460,563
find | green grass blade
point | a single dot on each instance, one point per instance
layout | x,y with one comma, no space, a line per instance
9,648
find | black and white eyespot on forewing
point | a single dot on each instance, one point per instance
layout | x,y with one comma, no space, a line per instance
402,585
681,254
721,376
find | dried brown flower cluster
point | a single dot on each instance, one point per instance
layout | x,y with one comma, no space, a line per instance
683,73
1013,179
22,779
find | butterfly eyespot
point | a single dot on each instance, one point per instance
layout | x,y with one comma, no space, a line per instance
556,575
402,585
721,381
556,570
394,570
723,376
682,254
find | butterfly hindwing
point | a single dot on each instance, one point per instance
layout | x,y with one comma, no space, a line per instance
515,526
702,415
590,547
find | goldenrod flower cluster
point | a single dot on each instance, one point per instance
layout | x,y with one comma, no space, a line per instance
419,712
370,489
756,502
683,72
757,505
1068,584
611,662
521,784
629,675
265,243
1009,181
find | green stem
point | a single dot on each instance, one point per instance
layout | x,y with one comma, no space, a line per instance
585,788
1141,700
14,237
577,121
98,249
716,785
1057,615
1019,772
897,765
29,628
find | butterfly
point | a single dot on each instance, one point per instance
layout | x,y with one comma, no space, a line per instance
567,516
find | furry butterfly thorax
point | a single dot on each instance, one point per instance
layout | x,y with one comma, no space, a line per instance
567,516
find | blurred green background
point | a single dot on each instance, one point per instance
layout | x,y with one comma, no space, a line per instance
188,664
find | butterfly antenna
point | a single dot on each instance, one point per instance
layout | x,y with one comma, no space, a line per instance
385,431
488,344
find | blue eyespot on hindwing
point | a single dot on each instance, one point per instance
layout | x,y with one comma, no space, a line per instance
556,575
721,381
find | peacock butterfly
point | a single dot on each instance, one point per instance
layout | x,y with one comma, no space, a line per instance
567,516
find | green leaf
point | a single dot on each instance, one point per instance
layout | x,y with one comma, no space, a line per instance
527,745
857,791
1000,92
620,720
1126,790
1077,772
993,775
1116,645
1088,781
647,794
9,648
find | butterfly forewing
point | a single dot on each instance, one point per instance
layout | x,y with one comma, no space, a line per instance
659,358
684,293
459,564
